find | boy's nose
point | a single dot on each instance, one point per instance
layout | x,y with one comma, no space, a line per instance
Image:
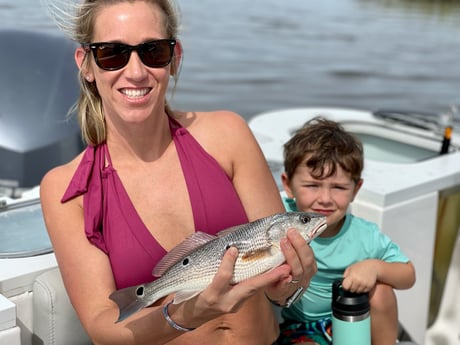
324,195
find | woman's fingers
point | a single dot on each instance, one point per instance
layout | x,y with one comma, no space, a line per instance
279,282
299,256
224,275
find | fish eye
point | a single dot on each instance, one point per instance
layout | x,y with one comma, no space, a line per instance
185,262
227,247
140,291
305,219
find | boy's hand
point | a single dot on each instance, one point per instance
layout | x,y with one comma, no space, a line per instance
361,276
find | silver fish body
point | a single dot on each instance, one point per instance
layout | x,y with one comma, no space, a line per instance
190,267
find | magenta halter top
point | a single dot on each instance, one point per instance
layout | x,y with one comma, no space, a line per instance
113,225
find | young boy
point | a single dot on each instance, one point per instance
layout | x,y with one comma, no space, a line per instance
323,165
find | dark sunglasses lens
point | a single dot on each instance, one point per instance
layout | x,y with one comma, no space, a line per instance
157,54
112,56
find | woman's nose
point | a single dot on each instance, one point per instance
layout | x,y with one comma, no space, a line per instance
135,68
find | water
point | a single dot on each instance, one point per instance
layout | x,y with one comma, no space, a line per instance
260,55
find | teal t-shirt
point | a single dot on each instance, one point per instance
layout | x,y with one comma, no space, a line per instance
357,240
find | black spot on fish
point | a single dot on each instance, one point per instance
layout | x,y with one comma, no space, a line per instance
140,291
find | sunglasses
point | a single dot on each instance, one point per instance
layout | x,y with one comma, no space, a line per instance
112,56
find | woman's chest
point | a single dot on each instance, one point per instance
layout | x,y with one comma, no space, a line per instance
160,198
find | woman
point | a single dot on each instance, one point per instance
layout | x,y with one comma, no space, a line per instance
149,178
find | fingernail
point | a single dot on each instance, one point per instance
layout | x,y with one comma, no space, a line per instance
233,251
291,231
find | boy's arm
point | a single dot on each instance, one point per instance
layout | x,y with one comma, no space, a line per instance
362,276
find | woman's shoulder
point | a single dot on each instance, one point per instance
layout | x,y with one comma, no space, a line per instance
56,180
214,127
205,119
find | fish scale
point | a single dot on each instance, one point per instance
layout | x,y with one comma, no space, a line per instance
259,251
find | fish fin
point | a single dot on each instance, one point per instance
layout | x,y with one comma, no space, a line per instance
185,295
180,251
129,301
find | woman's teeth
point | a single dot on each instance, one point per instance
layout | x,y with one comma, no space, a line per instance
135,93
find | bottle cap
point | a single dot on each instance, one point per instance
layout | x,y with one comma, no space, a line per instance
348,304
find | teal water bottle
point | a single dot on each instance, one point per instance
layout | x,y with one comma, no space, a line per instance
351,322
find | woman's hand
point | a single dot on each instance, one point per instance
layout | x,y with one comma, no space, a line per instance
300,265
222,297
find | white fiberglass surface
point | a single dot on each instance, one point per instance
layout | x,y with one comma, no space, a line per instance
387,150
23,232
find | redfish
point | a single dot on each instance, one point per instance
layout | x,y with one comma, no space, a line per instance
190,267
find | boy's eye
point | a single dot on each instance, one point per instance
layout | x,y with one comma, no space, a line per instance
340,187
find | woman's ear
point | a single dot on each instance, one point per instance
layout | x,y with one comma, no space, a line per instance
286,185
80,54
177,58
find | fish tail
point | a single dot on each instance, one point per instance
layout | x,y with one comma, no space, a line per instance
129,300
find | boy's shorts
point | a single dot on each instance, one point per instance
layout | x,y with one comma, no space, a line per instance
292,332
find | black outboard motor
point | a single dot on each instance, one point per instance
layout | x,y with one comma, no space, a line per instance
38,86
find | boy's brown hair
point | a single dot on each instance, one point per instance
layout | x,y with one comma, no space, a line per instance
327,145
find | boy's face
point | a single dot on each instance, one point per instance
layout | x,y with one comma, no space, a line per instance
330,196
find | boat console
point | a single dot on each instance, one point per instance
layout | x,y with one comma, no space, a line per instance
38,92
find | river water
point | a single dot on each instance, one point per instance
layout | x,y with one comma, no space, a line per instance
261,55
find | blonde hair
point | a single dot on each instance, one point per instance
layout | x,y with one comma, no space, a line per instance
76,19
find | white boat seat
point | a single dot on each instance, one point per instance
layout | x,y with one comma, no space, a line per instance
55,321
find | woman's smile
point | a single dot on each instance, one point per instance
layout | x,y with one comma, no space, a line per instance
135,93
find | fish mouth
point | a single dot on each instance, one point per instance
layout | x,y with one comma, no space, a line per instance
317,230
